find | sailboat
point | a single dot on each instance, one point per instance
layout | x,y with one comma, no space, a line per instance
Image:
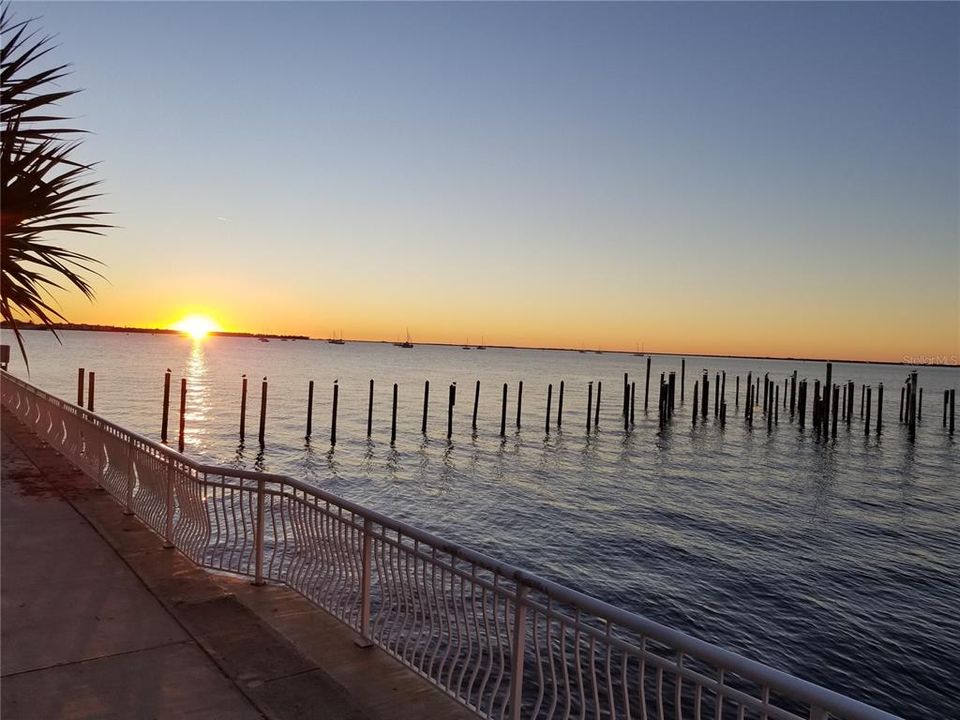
466,345
406,343
481,346
639,352
336,340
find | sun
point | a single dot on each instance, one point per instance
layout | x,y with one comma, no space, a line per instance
196,326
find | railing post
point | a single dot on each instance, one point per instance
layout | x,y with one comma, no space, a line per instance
168,529
128,501
258,537
364,640
519,638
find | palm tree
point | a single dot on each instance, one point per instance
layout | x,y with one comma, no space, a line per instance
44,190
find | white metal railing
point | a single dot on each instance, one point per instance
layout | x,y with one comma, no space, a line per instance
504,642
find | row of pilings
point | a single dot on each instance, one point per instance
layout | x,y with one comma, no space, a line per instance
829,405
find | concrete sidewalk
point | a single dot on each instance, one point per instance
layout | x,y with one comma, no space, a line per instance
99,621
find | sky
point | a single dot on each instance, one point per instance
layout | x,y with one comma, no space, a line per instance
732,178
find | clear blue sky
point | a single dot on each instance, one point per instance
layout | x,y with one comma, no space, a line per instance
542,173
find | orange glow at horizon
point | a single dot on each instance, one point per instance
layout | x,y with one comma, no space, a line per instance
196,326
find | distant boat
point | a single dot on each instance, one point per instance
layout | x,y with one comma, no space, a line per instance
481,346
467,345
335,340
639,352
406,343
263,339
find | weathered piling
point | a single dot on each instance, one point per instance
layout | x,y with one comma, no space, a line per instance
802,404
546,424
736,398
661,409
723,389
863,390
816,405
426,405
560,407
866,422
370,410
596,410
183,413
633,401
503,412
716,397
903,392
683,377
770,413
673,392
309,409
766,390
953,408
166,407
476,403
793,393
879,407
589,405
393,417
452,400
696,400
91,385
913,405
946,402
333,418
919,401
704,395
850,390
520,402
626,395
263,409
785,381
243,406
836,410
825,415
776,408
844,404
80,375
646,388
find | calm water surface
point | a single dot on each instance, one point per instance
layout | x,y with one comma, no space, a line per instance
838,560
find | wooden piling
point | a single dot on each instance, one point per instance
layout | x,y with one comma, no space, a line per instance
946,402
166,406
683,377
333,418
844,404
309,409
560,407
850,390
766,391
589,405
183,413
736,397
520,402
476,403
716,397
696,400
370,410
953,408
770,412
913,405
776,407
723,413
919,400
903,392
793,393
866,423
802,404
450,403
503,413
879,407
626,395
704,396
748,409
243,406
836,409
723,389
646,388
633,401
546,424
263,409
393,417
672,394
80,375
596,409
828,384
426,404
816,405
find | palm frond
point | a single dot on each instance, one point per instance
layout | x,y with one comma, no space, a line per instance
45,191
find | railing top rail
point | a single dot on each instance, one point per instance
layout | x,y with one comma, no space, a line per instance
777,680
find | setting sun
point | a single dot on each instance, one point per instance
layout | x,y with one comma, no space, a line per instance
196,326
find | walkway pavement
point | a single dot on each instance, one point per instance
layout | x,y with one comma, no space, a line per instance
99,621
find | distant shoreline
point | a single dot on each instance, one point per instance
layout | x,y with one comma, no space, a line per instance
223,333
